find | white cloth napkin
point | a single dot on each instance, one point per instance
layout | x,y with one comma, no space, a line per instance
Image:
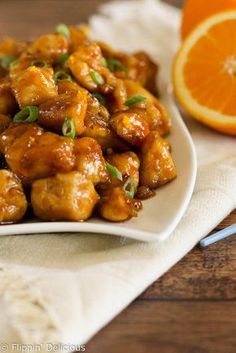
63,288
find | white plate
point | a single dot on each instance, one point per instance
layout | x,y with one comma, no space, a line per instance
160,214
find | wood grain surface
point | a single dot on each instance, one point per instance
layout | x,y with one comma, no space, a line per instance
191,309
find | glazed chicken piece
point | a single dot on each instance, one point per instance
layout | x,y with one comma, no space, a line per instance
89,160
8,137
150,109
128,165
20,65
34,86
130,126
137,67
96,109
8,104
98,127
142,69
78,37
102,133
13,204
157,167
116,93
55,111
12,47
49,47
68,197
116,206
84,64
4,122
66,86
36,154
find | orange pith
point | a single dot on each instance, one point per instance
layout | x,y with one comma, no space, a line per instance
205,72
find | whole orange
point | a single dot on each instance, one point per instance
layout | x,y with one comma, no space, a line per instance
195,11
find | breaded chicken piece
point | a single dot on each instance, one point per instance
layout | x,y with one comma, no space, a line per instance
10,135
13,204
36,154
12,47
157,166
98,127
78,37
64,197
86,60
55,111
116,206
137,67
89,160
34,86
49,47
128,165
130,126
151,109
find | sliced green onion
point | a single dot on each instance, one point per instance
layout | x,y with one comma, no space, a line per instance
62,76
114,171
100,98
68,128
63,29
63,59
27,115
104,62
129,188
134,100
6,61
97,78
115,64
39,63
13,63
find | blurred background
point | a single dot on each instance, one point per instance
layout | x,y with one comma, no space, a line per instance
26,18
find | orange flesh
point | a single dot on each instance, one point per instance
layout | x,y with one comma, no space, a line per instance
195,11
210,70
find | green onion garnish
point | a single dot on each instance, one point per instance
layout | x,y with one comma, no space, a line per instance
134,100
39,63
62,76
6,61
27,115
115,64
13,63
63,29
100,98
63,59
129,188
114,171
104,62
68,128
97,78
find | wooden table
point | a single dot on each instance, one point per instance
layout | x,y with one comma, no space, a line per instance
192,309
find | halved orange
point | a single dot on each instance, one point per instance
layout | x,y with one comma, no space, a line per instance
195,11
204,73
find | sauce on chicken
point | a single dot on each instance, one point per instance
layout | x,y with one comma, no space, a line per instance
81,130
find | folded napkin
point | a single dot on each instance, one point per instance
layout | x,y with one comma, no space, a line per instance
63,288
